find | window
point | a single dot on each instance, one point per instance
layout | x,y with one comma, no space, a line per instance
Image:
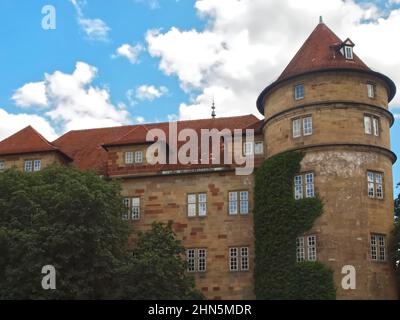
302,126
138,157
371,125
378,247
132,211
259,147
128,157
197,205
371,90
306,248
348,52
28,166
37,165
248,148
239,259
375,184
196,260
2,165
238,202
304,182
299,92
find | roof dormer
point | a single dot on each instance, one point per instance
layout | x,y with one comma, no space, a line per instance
347,49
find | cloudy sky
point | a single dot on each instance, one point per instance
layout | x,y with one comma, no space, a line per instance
119,62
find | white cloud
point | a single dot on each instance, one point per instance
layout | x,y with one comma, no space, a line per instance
33,93
152,4
146,92
140,119
397,116
130,52
74,103
12,123
247,44
95,29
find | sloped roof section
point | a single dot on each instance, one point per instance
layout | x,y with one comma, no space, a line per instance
86,147
27,140
321,51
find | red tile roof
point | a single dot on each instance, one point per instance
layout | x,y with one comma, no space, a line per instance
86,146
320,51
27,140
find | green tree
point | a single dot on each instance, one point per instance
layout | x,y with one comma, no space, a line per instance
396,240
156,269
65,218
72,220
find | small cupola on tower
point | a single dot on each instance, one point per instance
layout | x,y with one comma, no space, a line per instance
346,49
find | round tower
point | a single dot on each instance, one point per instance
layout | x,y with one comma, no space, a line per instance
333,107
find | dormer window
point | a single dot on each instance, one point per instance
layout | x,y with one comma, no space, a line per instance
348,52
347,49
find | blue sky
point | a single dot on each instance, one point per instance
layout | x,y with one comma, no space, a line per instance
187,53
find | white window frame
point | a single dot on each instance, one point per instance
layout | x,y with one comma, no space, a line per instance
371,125
302,126
37,165
248,148
238,202
371,90
348,52
129,157
138,156
375,185
196,204
259,147
299,91
2,165
133,209
196,260
304,186
306,248
378,247
28,166
239,259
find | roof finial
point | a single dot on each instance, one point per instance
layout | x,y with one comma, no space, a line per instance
213,115
321,20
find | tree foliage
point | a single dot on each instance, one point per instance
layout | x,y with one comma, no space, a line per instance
72,220
157,268
396,241
278,221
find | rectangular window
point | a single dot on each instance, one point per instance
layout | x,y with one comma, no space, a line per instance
138,157
259,147
238,202
128,157
37,165
306,248
196,260
135,210
307,126
239,259
296,128
28,166
125,213
378,247
233,203
348,52
371,90
304,182
375,184
197,205
2,165
132,210
302,126
371,125
248,148
299,92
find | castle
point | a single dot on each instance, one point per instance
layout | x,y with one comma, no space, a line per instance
327,103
